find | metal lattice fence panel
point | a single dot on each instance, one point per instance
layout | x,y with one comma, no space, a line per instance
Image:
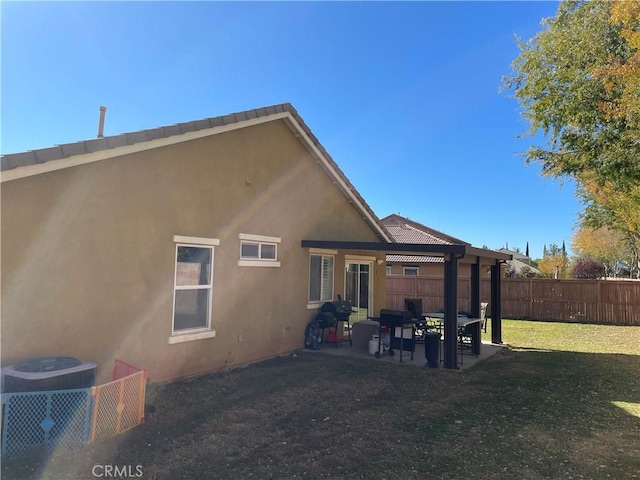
45,420
118,405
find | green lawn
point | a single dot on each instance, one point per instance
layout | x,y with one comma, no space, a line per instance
561,403
568,337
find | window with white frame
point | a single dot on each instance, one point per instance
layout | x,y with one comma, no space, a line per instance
388,270
258,251
321,278
193,285
410,271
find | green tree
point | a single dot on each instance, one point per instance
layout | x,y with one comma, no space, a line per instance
577,82
552,263
552,250
609,247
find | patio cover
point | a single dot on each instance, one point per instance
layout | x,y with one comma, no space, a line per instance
452,254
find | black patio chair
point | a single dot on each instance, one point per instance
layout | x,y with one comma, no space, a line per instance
414,306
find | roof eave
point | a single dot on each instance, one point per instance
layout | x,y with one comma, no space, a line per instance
54,158
465,252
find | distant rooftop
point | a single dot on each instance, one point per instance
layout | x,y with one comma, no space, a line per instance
404,230
515,254
417,232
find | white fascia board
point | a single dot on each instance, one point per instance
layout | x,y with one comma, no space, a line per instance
318,154
75,160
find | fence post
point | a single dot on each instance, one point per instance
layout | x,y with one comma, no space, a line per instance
530,298
94,418
601,310
141,396
120,407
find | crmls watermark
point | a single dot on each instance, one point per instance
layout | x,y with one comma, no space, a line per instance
117,471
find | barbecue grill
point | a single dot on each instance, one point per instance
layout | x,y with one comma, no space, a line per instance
397,319
335,312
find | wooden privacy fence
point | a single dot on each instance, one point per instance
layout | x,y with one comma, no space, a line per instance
596,301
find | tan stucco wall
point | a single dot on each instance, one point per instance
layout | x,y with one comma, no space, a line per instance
88,253
437,270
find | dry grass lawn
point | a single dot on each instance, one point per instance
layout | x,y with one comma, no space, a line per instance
562,403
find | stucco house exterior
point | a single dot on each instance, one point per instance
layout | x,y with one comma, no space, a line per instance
179,249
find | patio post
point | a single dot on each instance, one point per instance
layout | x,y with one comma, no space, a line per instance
475,290
451,311
496,310
474,309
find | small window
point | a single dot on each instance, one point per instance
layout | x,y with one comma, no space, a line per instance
258,251
411,271
388,270
321,278
249,250
268,251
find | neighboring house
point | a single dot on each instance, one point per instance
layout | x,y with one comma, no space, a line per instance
179,249
516,255
518,263
404,230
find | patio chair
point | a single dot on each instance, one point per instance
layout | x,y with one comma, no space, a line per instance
464,337
483,315
414,306
465,334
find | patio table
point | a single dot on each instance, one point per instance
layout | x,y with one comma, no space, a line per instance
463,321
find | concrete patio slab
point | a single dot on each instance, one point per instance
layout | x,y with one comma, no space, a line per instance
465,361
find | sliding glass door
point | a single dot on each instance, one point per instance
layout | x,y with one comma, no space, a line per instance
359,288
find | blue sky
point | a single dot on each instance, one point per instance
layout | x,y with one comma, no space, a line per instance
404,96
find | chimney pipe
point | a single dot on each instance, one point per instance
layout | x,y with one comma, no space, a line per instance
103,110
